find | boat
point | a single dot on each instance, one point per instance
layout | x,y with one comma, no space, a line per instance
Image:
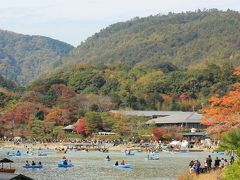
7,170
218,153
152,158
126,166
183,151
106,159
33,167
65,165
42,154
13,154
4,170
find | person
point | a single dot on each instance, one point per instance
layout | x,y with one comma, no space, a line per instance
222,163
39,163
33,163
191,166
205,166
196,167
70,162
116,163
232,159
27,163
65,162
226,163
209,163
123,162
217,162
108,158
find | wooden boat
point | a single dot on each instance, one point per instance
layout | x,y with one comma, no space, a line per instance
7,170
4,170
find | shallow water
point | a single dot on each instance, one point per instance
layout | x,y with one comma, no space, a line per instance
92,165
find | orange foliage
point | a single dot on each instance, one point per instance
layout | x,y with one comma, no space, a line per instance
224,112
59,116
81,127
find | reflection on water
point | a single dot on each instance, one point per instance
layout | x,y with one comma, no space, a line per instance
92,165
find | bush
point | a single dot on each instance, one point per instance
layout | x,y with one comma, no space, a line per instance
232,172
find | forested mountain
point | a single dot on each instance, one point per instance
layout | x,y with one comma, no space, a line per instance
183,39
23,58
7,84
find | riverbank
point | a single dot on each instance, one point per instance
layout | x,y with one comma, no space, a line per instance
110,147
213,175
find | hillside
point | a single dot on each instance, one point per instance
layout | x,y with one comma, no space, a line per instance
23,58
181,39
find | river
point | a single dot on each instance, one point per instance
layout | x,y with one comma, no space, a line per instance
92,165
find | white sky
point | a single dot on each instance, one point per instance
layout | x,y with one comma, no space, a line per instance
73,21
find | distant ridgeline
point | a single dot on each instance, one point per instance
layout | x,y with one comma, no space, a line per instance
183,39
23,58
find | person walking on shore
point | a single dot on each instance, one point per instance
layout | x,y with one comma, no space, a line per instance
209,163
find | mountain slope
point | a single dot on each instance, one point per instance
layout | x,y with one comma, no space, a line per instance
23,58
182,39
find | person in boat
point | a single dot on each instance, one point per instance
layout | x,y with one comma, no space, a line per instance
129,152
27,163
39,163
70,162
64,157
108,158
65,162
33,163
123,162
116,163
18,152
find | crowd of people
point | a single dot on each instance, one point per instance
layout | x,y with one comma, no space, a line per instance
196,167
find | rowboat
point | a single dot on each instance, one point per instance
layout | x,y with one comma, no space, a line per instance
126,166
33,167
65,165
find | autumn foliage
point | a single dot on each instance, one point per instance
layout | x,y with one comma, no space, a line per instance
224,112
81,127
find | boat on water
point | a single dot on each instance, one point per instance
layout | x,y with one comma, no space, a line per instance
218,153
42,154
7,170
34,167
13,154
106,159
65,165
126,166
152,158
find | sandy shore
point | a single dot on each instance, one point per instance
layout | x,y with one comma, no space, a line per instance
65,145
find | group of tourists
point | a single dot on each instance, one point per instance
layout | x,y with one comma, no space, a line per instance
196,167
33,163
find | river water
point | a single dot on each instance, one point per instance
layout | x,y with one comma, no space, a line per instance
92,165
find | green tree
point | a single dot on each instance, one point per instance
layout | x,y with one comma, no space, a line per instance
94,121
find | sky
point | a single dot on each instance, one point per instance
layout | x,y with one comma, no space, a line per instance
73,21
